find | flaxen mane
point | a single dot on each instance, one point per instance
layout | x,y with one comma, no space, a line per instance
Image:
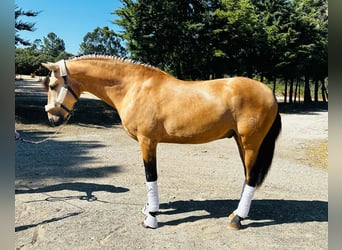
116,59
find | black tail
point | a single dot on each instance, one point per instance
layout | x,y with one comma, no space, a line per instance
266,151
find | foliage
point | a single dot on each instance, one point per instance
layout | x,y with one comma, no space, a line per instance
53,45
102,41
172,35
268,39
28,60
238,36
272,40
20,25
313,48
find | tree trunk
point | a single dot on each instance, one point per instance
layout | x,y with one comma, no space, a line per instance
324,91
291,91
307,94
316,90
297,91
285,91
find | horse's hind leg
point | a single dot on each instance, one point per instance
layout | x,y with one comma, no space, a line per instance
256,151
248,157
148,149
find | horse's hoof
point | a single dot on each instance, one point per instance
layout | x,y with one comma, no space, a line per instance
150,222
147,226
235,222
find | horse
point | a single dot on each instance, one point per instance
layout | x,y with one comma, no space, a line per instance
156,107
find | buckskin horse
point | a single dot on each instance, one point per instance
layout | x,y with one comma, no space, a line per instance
156,107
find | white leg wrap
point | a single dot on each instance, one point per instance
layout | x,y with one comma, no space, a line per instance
152,196
152,205
245,201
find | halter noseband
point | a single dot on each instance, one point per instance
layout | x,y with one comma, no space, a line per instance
62,94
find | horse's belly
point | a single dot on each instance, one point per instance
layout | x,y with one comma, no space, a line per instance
198,130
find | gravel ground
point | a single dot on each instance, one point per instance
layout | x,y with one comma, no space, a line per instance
84,188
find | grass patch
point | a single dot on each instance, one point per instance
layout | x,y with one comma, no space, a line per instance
316,154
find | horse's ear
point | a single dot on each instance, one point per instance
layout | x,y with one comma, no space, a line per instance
51,66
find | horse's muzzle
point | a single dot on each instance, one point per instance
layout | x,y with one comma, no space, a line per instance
55,120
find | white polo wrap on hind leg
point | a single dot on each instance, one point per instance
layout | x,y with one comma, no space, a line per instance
245,201
152,205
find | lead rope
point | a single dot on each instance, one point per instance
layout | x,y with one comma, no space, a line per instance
49,137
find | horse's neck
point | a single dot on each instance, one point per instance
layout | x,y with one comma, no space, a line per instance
109,84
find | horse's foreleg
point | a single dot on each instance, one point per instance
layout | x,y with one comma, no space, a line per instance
148,149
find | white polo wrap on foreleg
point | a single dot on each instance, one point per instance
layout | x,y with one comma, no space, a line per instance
152,205
245,201
152,196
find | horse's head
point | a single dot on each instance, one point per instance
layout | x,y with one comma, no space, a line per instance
61,96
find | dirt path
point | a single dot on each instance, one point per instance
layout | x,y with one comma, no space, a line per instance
84,188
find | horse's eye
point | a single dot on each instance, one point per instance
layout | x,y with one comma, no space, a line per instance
53,87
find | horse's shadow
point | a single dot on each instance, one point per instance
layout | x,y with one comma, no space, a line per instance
262,213
87,188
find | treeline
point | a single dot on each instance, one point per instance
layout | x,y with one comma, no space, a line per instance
28,60
52,48
273,40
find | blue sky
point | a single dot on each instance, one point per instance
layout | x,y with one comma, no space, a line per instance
70,20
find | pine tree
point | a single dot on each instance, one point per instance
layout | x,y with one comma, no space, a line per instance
20,25
102,41
53,45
